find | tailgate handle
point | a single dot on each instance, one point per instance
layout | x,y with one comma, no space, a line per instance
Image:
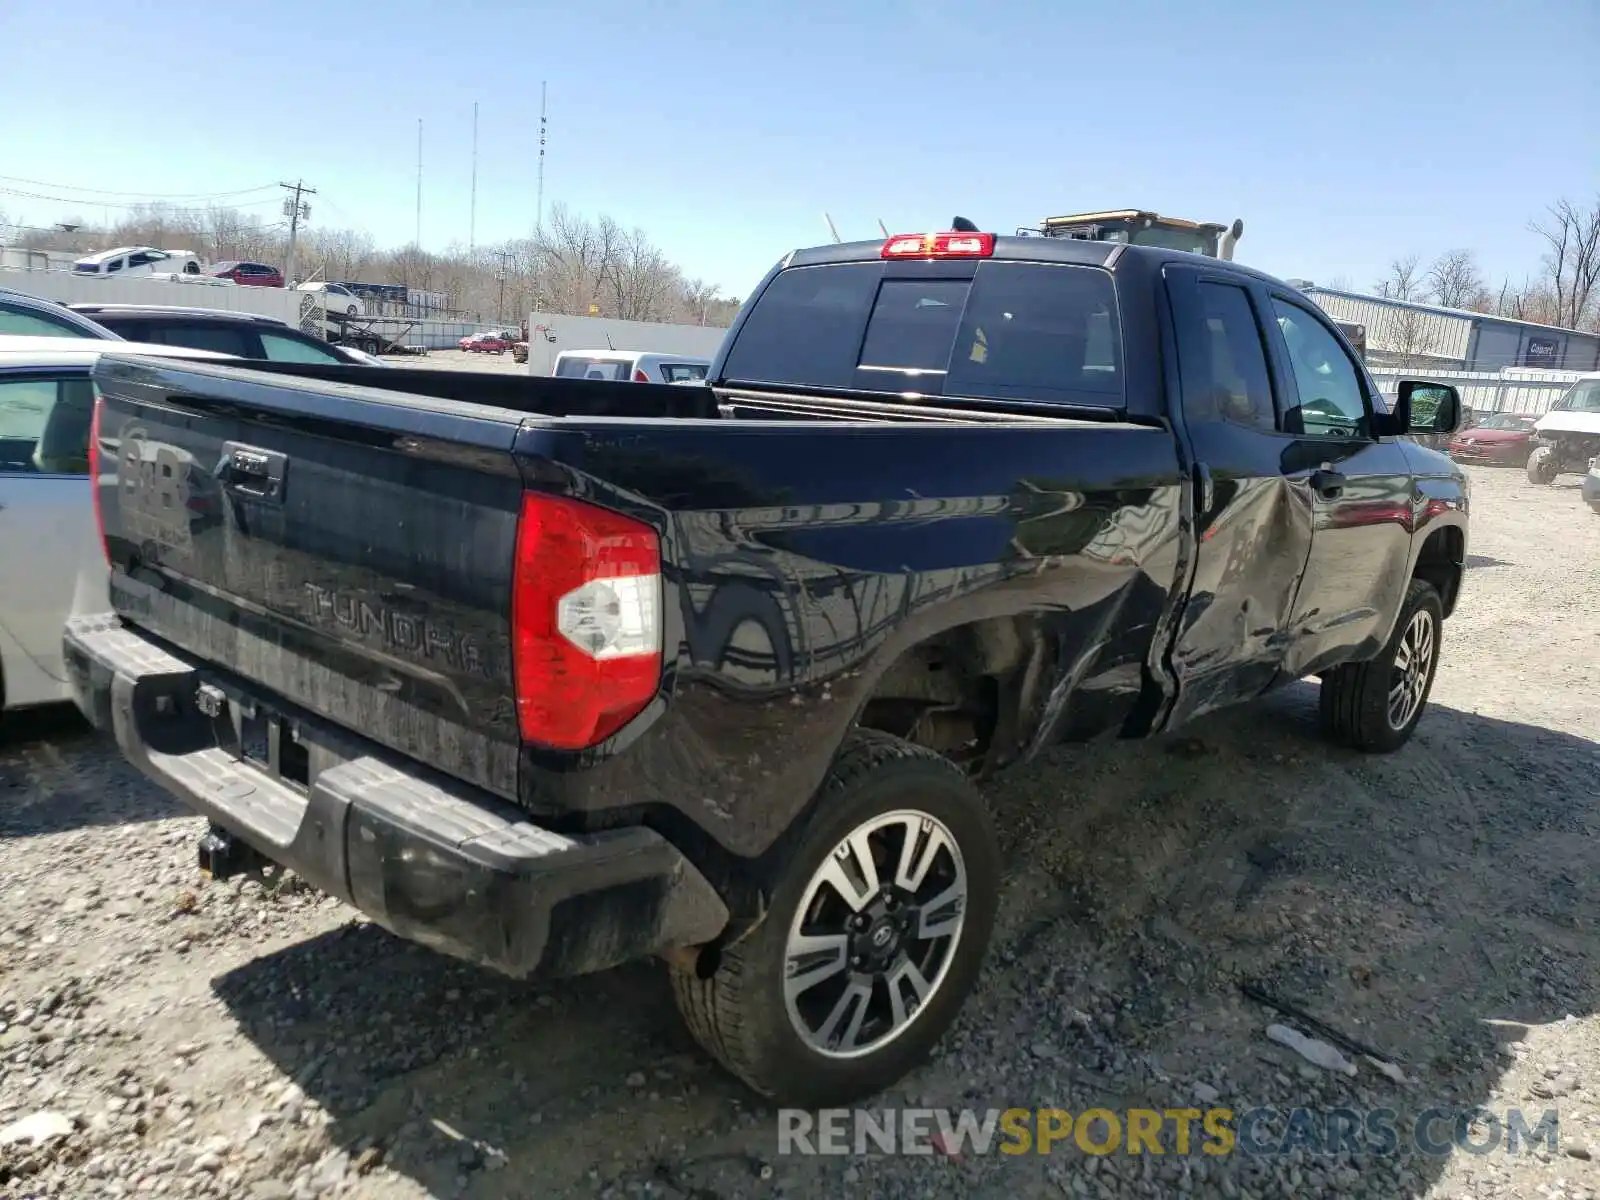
251,471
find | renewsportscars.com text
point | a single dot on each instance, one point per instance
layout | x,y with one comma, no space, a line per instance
1434,1132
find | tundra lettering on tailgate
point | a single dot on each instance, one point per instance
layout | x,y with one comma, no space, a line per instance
424,636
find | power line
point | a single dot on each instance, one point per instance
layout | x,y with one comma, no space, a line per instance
143,196
82,202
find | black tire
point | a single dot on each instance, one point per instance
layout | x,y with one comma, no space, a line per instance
739,1013
1356,696
1542,465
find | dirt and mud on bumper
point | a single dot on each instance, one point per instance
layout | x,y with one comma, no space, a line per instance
451,868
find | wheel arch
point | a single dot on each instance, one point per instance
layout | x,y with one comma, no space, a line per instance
1441,560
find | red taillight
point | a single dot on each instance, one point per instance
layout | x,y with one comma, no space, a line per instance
94,474
585,621
639,376
939,245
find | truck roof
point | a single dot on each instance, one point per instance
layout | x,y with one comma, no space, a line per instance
174,310
1074,251
21,350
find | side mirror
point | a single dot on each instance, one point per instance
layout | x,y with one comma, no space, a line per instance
1424,408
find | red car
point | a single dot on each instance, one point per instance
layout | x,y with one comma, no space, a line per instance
1500,438
486,343
248,274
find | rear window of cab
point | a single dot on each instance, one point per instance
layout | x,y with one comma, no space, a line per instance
1004,331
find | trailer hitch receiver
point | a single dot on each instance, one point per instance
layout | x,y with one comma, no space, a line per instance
223,856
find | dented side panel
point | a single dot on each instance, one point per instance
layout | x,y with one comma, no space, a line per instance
807,558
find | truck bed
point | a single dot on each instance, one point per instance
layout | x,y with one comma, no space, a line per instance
346,551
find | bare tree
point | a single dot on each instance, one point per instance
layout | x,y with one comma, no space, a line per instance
573,265
1531,300
572,258
638,281
1456,282
1403,282
337,255
1410,336
1572,261
411,266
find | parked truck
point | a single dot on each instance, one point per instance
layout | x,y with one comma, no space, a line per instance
1567,438
1139,227
551,674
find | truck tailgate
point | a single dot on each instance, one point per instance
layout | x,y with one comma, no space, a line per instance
345,549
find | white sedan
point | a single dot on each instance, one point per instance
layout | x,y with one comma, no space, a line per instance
53,565
337,298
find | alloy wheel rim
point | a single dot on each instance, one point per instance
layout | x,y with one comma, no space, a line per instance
874,934
1413,662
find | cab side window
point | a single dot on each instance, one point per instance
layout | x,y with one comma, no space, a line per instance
224,339
1233,384
44,426
279,348
28,324
1331,402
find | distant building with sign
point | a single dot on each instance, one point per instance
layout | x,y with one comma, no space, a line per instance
1406,334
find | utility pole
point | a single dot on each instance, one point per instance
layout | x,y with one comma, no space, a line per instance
538,216
500,311
296,210
472,221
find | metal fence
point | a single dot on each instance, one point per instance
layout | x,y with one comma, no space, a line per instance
1520,390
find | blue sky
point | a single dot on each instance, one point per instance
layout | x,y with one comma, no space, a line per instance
1344,134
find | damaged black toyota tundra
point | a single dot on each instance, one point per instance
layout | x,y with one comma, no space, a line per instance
552,674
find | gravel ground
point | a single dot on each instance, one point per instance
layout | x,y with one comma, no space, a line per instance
461,360
257,1040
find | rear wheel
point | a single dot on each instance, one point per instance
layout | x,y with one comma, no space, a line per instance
1542,465
875,933
1375,705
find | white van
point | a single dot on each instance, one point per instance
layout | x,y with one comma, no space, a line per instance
634,366
137,260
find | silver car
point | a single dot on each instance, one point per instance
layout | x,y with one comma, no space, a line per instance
53,564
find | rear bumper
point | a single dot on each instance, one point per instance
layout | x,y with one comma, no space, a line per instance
435,862
1505,454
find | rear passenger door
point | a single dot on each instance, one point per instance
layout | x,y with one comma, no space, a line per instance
51,563
1252,520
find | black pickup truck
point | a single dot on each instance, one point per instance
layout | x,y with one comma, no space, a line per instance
552,674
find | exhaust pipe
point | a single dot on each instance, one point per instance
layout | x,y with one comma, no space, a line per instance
1229,240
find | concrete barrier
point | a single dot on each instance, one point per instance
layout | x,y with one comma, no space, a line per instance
68,287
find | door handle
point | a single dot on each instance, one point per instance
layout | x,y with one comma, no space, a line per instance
1328,483
252,472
